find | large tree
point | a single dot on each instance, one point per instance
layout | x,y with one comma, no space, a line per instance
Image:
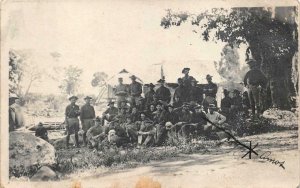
271,35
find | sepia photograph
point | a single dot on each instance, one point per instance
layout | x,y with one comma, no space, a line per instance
149,94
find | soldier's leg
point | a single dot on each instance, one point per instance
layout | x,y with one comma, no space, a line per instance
251,100
255,94
161,132
148,140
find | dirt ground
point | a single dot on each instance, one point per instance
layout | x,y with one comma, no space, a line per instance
222,167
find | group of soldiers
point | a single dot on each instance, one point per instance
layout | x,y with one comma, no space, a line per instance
160,117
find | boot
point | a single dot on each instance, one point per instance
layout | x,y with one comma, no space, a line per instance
84,139
68,139
76,140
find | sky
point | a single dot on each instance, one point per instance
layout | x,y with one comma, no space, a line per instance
107,36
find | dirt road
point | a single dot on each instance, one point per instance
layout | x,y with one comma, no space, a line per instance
223,168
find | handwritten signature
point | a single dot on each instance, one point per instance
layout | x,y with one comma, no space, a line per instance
265,156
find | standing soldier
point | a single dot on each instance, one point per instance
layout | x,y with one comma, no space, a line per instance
226,103
87,115
149,96
196,93
179,95
254,80
71,119
210,91
135,89
163,93
187,79
121,92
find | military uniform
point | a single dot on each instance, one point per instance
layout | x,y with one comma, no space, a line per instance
252,80
149,97
146,133
121,92
163,94
226,105
210,91
196,94
87,115
72,112
180,95
109,114
135,90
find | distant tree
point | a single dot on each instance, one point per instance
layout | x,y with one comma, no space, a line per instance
21,69
99,78
271,35
229,66
71,80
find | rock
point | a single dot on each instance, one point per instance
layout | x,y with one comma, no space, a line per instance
44,174
26,152
281,118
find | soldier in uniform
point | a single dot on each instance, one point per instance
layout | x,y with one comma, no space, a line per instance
162,93
255,81
87,115
237,102
110,113
226,103
149,96
121,117
196,93
147,132
135,90
187,79
71,118
210,91
150,112
135,114
179,96
96,133
121,92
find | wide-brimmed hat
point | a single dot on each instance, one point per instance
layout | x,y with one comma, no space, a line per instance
151,85
185,69
88,97
40,124
161,81
208,76
73,97
120,78
133,77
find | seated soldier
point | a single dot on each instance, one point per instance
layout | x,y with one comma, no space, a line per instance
96,133
135,114
147,132
41,132
237,102
131,129
150,112
109,113
218,119
121,117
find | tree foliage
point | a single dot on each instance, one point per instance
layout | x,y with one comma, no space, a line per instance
99,79
22,71
271,36
229,66
71,80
